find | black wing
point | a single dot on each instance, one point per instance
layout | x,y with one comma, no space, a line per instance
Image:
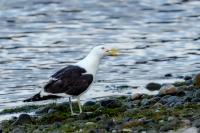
71,80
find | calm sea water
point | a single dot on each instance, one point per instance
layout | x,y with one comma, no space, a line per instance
155,37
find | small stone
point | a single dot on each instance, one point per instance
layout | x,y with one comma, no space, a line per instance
136,96
196,80
153,86
168,75
111,103
187,78
168,89
23,119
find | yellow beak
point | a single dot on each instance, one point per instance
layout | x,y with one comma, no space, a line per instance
113,52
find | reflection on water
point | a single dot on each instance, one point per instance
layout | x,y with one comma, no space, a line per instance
39,37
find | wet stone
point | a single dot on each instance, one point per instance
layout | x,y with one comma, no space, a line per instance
187,78
153,86
168,75
23,119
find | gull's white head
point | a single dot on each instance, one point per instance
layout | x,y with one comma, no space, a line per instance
104,50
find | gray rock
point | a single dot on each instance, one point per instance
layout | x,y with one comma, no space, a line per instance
153,86
23,119
145,102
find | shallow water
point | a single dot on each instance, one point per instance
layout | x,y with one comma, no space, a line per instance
37,38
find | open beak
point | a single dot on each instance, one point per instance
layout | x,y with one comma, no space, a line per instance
112,52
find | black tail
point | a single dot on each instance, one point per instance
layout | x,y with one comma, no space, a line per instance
38,97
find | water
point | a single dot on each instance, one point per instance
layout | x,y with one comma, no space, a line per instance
37,38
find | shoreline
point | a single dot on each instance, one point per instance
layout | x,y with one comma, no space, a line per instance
175,108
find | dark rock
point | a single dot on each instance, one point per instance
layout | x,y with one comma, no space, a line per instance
1,131
89,103
145,102
111,103
153,86
196,123
168,75
23,119
187,78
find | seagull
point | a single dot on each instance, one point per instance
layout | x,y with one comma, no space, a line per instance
76,79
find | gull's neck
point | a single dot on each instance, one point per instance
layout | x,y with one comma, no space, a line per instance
90,63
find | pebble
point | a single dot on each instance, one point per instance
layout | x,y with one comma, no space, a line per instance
168,89
153,86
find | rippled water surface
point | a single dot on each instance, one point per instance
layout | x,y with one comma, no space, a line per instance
37,38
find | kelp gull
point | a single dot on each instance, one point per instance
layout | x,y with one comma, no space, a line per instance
74,80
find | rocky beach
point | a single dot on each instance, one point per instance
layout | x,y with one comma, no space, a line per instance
174,109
